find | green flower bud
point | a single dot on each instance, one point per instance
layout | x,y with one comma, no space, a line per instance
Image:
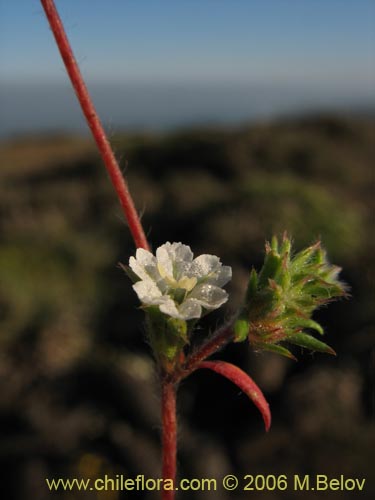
281,299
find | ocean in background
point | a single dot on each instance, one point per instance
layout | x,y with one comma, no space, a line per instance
31,108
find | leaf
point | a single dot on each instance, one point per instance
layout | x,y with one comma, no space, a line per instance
278,349
307,323
304,340
272,264
244,382
303,258
241,330
286,245
275,244
252,286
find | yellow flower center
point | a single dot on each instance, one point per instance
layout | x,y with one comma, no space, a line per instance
185,283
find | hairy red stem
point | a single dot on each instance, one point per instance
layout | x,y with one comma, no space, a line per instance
95,125
169,439
222,336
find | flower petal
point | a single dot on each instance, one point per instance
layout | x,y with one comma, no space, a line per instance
165,260
144,265
169,307
144,257
172,255
223,276
209,268
138,269
205,264
181,252
190,309
148,292
209,296
173,268
182,270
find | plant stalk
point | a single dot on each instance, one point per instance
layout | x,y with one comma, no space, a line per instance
169,436
221,337
95,125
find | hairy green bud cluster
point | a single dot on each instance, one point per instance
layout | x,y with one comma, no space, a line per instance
282,297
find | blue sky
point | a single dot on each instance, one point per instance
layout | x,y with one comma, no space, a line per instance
164,63
195,40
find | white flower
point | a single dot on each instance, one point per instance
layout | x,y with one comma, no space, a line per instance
182,287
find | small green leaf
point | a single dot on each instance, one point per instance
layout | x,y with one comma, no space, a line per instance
305,257
276,348
252,286
241,330
304,340
307,323
286,245
284,278
272,264
275,244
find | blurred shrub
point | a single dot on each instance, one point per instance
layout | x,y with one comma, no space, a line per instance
77,389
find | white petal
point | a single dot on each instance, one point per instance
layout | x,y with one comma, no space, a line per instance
174,267
165,261
209,269
182,253
205,264
223,276
148,292
209,296
190,309
138,269
144,257
169,308
174,252
144,265
182,269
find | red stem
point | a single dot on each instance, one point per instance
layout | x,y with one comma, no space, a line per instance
222,336
169,438
95,125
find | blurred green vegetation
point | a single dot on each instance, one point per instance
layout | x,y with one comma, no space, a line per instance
77,383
